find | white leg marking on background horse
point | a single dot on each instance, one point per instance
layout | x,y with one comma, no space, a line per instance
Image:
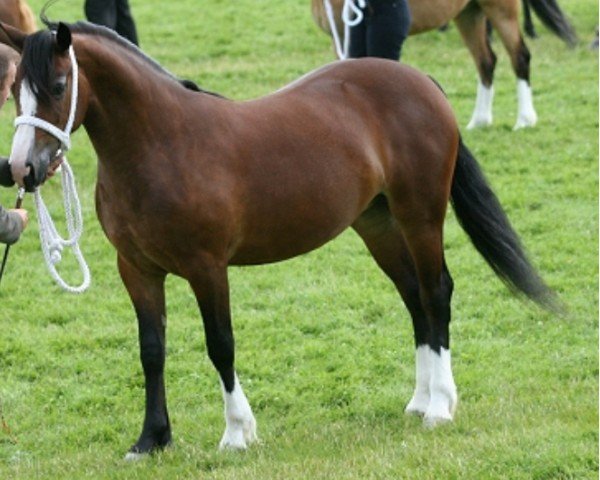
442,389
135,457
25,134
420,399
482,115
240,425
526,116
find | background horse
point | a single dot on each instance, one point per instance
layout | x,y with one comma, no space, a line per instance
18,14
470,18
190,183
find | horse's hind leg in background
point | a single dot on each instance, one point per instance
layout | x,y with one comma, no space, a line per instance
506,22
471,23
147,294
211,288
427,297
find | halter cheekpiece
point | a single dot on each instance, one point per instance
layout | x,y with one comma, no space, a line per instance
63,136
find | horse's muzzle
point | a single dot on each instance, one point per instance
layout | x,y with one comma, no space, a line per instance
33,173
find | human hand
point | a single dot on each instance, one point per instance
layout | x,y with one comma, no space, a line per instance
23,214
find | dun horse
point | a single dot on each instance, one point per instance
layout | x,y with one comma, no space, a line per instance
190,183
470,18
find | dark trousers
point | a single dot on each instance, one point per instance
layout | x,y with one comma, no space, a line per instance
114,14
382,31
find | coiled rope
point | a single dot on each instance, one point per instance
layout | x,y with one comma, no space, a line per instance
52,243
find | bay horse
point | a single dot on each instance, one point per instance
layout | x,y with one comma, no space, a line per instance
470,17
190,183
18,14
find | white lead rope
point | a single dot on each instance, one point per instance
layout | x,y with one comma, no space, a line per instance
352,15
51,242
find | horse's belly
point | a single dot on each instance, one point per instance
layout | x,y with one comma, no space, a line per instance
430,14
281,245
280,233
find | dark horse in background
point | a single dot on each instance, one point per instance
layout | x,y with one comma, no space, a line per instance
471,16
190,183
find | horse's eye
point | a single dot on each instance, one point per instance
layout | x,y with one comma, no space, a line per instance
58,89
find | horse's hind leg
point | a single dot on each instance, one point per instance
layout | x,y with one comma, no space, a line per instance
423,236
471,23
505,21
210,285
147,295
427,296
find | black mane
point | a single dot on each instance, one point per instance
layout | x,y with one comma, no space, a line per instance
39,47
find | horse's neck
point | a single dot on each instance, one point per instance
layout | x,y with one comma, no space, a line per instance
119,76
128,99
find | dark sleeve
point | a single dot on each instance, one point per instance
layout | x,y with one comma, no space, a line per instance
11,226
6,179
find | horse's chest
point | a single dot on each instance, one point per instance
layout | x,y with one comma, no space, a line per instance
128,223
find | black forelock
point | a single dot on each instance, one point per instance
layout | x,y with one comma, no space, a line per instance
38,68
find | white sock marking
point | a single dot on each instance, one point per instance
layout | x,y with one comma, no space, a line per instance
482,115
240,425
526,117
442,389
420,399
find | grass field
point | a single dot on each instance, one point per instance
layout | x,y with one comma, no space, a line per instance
324,346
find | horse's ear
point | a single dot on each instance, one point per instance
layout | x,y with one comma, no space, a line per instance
63,37
11,36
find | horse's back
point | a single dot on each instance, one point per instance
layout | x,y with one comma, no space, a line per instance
391,107
325,146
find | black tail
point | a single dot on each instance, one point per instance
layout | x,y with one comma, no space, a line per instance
552,17
482,217
527,20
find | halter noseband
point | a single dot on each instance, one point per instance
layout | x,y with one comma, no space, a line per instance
63,136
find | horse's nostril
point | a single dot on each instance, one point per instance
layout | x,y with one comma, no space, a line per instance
29,180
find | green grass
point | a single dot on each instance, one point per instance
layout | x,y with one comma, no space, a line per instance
324,347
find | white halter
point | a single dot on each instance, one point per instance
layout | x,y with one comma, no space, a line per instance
350,8
51,242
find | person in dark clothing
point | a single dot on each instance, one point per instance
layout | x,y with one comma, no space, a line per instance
114,14
382,31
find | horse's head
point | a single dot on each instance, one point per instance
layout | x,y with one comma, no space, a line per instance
46,91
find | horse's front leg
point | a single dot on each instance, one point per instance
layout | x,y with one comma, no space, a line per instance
212,293
147,294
